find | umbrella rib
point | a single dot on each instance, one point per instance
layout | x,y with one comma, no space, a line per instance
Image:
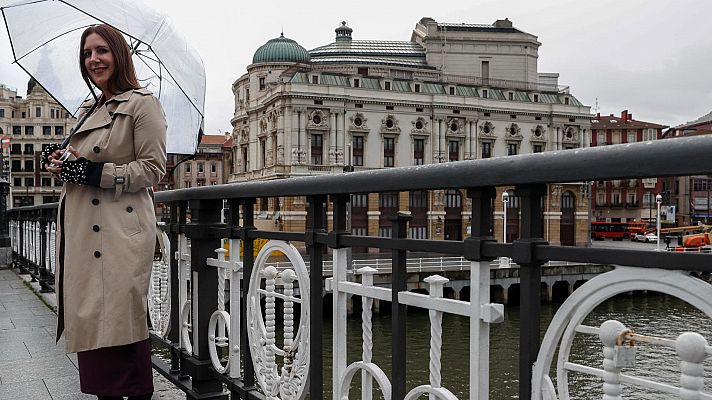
149,67
24,4
45,43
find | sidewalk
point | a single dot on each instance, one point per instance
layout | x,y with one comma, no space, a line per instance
32,366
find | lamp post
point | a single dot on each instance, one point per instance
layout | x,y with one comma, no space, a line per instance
505,201
659,200
504,261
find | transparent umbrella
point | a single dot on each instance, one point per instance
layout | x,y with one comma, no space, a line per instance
45,34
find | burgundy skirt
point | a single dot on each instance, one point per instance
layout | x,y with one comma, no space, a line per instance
117,371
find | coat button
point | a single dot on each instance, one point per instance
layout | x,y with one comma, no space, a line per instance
129,209
97,254
95,202
95,228
96,149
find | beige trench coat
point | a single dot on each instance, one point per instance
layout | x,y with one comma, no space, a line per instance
109,233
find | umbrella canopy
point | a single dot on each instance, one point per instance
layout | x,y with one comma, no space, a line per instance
45,35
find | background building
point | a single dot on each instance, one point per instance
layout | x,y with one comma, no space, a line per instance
31,124
691,194
632,199
453,92
206,169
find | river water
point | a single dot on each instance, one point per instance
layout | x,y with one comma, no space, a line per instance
652,313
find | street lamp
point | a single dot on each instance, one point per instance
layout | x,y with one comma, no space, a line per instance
659,200
505,201
504,261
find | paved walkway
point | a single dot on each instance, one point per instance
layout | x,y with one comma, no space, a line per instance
32,366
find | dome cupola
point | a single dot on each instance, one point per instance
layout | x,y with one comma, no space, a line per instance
281,49
343,32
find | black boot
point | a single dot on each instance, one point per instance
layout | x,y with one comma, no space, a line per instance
142,397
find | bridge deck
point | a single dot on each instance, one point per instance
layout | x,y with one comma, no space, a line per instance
32,366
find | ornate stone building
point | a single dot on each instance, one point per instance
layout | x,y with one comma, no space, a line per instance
30,124
453,92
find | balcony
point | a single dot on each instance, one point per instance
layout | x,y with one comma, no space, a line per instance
634,204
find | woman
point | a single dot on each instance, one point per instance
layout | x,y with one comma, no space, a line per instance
107,222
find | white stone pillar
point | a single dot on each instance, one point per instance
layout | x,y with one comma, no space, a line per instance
690,347
612,375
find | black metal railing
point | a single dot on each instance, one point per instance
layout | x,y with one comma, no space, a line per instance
196,213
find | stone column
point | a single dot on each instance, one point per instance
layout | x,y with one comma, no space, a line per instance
332,137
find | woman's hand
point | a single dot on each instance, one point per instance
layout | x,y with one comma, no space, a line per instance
55,164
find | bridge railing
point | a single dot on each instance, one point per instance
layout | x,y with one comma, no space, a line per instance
218,343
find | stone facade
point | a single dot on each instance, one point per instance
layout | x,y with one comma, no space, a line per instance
355,106
30,124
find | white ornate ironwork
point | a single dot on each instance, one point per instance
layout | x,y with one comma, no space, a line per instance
159,294
289,381
567,323
182,255
224,327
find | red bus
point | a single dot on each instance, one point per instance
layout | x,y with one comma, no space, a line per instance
608,230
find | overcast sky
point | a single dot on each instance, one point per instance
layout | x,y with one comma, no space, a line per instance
651,57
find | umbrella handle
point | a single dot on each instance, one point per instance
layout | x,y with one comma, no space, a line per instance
65,143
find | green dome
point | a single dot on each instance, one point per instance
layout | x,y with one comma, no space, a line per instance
281,49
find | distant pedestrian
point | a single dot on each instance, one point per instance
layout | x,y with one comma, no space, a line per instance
107,223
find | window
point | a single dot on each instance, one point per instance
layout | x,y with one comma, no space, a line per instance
648,200
451,89
484,93
263,153
362,71
566,101
536,98
24,115
46,182
358,150
245,159
416,87
29,149
46,130
59,130
387,85
317,149
262,83
511,96
389,152
650,134
512,149
389,108
16,149
418,151
16,166
388,206
418,109
631,137
418,205
29,130
357,82
17,182
247,94
486,149
616,198
316,102
315,79
538,148
201,168
453,150
213,168
38,112
187,167
16,130
601,138
29,166
358,105
29,182
50,199
51,113
2,113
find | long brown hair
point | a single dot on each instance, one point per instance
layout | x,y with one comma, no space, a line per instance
124,77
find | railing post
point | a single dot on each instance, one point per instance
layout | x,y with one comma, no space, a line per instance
479,289
317,224
248,262
398,323
5,245
339,269
173,227
44,250
690,347
205,215
530,281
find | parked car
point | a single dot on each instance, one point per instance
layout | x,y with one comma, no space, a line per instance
638,237
651,237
